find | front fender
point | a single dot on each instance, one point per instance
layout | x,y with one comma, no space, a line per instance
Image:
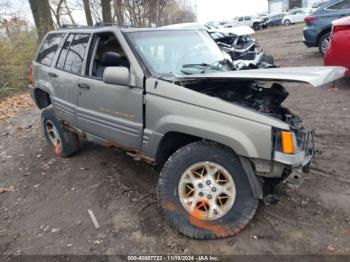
247,138
223,134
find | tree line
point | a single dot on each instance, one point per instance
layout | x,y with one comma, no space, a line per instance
50,14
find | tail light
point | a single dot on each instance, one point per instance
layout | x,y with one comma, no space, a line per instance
338,28
310,19
30,75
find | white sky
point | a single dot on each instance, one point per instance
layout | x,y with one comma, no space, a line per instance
228,9
208,10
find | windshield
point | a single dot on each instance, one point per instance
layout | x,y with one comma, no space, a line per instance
177,52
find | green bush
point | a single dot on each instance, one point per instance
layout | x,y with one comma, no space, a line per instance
16,54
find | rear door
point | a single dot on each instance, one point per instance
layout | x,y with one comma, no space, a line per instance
113,113
66,73
43,73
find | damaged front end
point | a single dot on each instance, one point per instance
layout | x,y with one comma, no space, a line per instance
293,149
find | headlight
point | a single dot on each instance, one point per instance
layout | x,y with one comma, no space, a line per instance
285,142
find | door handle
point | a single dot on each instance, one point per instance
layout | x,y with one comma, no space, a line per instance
53,75
84,86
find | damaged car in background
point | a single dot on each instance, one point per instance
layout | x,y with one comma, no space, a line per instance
238,42
218,136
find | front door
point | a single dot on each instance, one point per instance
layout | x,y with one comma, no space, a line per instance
110,112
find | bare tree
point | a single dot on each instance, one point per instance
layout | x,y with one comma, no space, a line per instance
42,16
96,10
57,11
69,12
119,10
87,10
106,11
4,22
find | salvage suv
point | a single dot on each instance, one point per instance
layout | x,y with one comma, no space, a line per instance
170,96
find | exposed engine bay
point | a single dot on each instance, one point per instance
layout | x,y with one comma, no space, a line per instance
250,94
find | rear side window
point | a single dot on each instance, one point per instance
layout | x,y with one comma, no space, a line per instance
64,51
342,5
49,48
73,52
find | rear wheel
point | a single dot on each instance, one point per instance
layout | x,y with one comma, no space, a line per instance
324,43
204,192
64,142
287,22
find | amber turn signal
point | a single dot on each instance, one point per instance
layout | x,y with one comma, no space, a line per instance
287,142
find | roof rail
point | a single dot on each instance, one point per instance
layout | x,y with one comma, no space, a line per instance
113,24
64,26
98,24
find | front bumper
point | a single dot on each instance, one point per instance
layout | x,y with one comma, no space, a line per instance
246,63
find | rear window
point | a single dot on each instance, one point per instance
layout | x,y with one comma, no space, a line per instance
342,5
49,48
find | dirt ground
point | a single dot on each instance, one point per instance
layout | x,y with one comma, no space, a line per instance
47,211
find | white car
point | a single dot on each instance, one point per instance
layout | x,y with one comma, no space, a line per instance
254,22
296,16
237,30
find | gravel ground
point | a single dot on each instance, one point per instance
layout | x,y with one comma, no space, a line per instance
47,211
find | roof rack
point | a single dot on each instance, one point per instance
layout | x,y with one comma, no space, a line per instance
67,26
71,26
113,24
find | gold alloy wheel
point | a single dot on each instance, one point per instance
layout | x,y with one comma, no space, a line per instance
207,191
52,133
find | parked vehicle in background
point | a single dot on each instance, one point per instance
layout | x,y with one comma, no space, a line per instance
318,4
338,52
276,20
170,96
296,16
238,42
211,28
319,24
265,21
252,21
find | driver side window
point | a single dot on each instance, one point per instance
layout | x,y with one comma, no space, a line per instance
105,51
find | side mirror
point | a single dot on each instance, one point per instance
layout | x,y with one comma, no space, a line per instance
116,75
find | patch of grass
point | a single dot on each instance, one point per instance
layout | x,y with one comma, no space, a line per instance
16,54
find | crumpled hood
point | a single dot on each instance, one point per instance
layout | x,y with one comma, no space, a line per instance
315,76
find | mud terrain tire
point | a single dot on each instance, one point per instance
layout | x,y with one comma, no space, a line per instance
64,142
235,218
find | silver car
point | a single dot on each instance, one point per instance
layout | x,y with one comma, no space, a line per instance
170,96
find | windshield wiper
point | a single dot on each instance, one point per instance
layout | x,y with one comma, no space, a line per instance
205,66
202,67
195,65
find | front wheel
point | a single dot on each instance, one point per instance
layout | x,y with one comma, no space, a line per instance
256,26
204,192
